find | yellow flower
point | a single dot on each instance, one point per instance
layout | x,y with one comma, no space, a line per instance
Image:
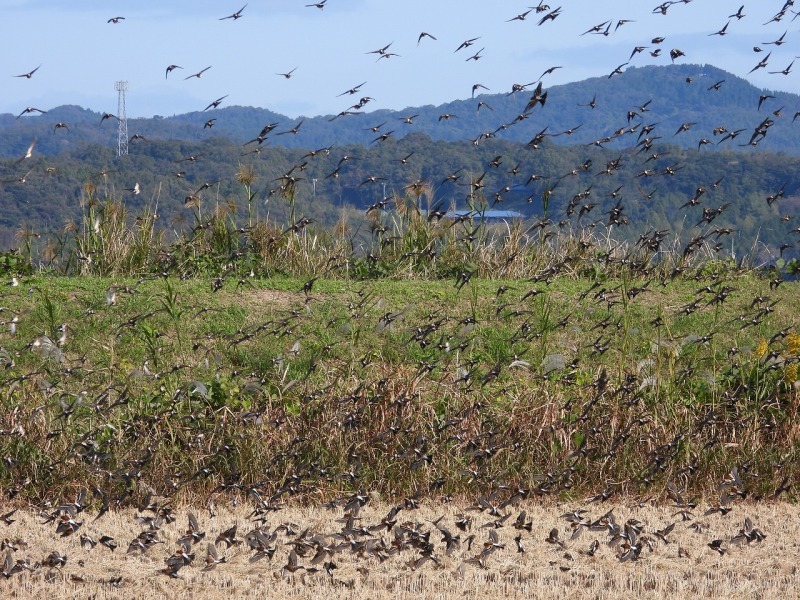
761,349
790,373
793,343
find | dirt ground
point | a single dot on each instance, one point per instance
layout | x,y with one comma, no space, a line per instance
366,558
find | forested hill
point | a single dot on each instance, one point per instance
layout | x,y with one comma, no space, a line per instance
665,97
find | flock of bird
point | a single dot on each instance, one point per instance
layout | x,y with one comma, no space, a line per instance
360,540
492,522
644,135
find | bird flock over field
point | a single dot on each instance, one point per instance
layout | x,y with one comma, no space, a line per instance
605,422
635,131
357,541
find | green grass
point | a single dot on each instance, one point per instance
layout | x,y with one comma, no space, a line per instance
402,386
430,358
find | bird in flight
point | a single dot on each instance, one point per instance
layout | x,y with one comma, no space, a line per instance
319,5
29,74
762,63
467,43
381,51
785,71
476,56
288,74
170,69
236,15
215,103
722,31
199,74
28,152
353,90
108,116
115,20
521,16
422,35
551,16
617,71
31,109
22,179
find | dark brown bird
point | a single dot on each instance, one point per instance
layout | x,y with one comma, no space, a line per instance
170,69
215,103
31,109
29,74
236,15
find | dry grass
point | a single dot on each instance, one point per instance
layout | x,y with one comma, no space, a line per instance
757,570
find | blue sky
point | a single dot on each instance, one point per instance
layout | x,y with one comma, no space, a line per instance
82,55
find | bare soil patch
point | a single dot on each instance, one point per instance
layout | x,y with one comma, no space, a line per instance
492,556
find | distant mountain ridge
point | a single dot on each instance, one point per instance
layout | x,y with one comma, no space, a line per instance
671,96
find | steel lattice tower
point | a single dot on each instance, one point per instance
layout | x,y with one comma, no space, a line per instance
122,131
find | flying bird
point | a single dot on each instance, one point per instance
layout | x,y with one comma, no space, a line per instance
115,20
22,179
319,5
199,74
476,56
521,16
353,90
722,31
617,71
785,71
28,152
288,74
777,42
422,35
29,74
551,16
467,43
476,86
762,63
170,69
381,51
675,53
215,103
31,109
236,15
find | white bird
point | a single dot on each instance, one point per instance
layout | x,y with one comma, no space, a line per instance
28,152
